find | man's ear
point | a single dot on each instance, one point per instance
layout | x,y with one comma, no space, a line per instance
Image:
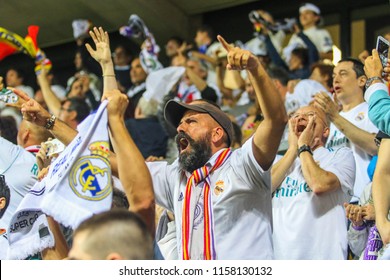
25,135
218,134
325,133
362,81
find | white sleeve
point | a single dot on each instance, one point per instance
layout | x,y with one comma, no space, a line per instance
8,152
162,174
344,167
245,166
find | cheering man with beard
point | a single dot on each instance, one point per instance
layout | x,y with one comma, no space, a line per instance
221,198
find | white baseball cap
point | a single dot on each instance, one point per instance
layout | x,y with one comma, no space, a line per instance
310,7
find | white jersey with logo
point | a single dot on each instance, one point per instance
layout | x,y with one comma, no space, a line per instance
310,226
241,196
320,38
20,170
358,116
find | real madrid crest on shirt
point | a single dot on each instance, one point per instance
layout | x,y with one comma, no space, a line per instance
90,176
219,187
360,116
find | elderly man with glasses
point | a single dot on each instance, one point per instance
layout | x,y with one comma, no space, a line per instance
310,184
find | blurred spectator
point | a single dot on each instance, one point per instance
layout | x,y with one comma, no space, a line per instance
15,78
8,129
122,63
207,47
138,77
310,18
146,130
172,46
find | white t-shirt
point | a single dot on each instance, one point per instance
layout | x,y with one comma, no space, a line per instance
257,45
309,226
320,38
20,170
358,116
241,197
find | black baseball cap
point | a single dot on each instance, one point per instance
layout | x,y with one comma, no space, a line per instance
174,112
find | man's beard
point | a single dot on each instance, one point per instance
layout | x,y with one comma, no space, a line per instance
199,154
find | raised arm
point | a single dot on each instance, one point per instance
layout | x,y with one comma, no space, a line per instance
268,135
102,54
360,137
280,169
133,172
52,101
35,113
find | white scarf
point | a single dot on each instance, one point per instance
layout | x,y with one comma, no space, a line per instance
79,180
29,231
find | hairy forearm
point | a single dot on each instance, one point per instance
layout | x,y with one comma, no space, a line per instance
319,180
279,169
359,137
63,132
275,117
136,180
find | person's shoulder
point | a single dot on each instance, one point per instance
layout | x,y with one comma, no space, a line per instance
341,150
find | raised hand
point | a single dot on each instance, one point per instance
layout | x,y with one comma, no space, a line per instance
102,53
238,59
307,135
117,104
43,160
372,65
31,110
325,103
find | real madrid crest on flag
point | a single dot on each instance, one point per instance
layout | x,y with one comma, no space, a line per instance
90,175
79,180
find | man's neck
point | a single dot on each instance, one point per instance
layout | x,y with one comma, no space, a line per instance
347,106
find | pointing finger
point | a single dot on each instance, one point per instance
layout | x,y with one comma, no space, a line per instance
224,43
20,93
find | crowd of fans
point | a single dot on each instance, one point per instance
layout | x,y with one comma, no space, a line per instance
263,150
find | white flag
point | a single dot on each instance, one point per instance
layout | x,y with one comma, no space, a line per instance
78,184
